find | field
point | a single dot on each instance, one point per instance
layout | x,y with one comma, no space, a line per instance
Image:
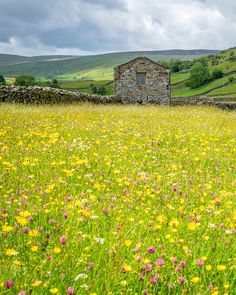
117,200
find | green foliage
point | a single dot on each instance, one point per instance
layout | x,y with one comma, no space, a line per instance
231,78
25,81
175,65
199,75
216,74
101,90
2,80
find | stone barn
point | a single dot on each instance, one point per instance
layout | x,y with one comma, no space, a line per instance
142,80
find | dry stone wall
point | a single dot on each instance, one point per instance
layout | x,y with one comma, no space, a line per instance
40,95
47,95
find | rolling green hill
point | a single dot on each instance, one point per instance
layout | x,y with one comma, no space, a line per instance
99,67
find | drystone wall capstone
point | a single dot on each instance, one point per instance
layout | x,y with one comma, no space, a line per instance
156,90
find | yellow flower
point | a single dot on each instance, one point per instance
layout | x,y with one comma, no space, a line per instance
11,252
192,226
34,233
195,280
128,243
36,283
7,228
127,268
56,250
34,248
123,283
208,267
54,290
226,286
21,220
221,267
25,213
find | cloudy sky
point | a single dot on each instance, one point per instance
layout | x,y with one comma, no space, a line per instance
36,27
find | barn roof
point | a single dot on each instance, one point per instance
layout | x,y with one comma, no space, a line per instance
141,57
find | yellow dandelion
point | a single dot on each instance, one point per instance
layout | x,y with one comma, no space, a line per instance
34,233
7,228
34,248
128,243
226,286
11,252
56,250
36,283
127,268
192,226
21,220
208,267
221,267
54,290
195,280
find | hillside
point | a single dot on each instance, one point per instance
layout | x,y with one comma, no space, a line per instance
225,86
99,67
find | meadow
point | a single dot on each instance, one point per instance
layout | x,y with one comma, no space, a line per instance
117,200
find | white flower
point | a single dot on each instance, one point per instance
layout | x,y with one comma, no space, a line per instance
99,240
81,276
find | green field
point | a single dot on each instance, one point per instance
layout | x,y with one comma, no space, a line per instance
179,77
203,89
117,200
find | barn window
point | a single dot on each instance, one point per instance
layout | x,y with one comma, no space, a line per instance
141,78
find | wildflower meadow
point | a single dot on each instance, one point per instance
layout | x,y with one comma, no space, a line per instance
105,200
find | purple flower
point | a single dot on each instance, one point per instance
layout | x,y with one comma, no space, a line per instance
151,249
22,293
200,262
174,260
145,292
90,265
160,261
154,279
182,263
25,229
9,284
148,268
65,215
181,280
63,240
70,291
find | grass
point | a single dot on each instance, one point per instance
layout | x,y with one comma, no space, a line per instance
202,89
117,200
228,89
179,77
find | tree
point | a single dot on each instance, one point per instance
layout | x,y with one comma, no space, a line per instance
25,81
2,80
54,83
216,74
101,90
175,65
199,75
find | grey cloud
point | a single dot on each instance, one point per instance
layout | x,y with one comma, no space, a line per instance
43,26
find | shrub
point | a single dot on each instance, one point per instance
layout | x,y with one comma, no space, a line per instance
216,74
25,81
101,90
2,80
199,75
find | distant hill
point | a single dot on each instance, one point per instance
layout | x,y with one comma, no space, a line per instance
98,67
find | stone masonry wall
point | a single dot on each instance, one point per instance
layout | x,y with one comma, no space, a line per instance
40,95
47,95
155,91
